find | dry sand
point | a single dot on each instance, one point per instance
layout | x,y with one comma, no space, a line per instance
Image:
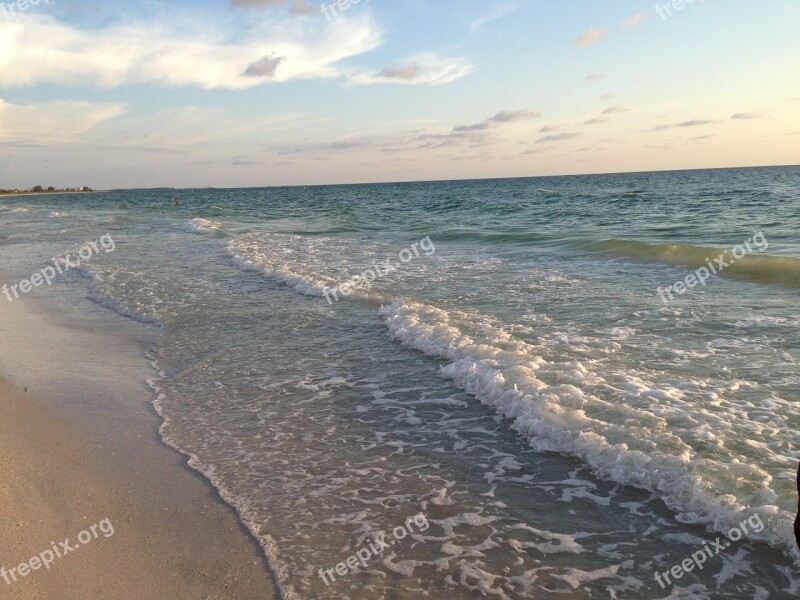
80,446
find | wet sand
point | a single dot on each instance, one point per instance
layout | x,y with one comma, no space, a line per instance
80,446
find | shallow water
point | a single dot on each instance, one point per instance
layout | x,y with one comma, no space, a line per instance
523,386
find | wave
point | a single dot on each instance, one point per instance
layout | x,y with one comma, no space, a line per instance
631,428
491,237
314,265
104,279
758,268
199,225
248,255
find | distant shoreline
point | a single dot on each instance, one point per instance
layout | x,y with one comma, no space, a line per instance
3,195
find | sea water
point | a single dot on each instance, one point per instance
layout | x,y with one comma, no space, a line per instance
517,379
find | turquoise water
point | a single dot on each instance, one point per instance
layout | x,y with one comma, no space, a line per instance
515,376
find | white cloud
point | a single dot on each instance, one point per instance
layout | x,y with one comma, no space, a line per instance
52,122
495,14
184,51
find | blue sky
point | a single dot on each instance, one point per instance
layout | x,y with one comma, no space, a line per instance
273,92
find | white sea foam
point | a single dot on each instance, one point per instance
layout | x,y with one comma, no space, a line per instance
629,427
249,256
199,225
308,265
766,321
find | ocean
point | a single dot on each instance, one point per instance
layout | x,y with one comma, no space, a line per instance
573,383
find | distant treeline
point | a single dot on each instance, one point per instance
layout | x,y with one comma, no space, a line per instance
39,189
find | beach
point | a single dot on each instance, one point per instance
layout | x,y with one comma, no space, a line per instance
399,300
80,447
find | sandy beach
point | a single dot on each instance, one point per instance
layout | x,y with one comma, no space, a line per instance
80,447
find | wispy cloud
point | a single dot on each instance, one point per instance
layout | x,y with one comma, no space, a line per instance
408,71
498,119
745,116
594,77
559,137
596,121
53,122
297,7
616,109
494,15
422,68
694,123
592,36
634,20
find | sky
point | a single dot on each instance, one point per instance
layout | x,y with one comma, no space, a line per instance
245,93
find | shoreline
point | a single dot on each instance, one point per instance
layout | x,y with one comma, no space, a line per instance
79,443
18,194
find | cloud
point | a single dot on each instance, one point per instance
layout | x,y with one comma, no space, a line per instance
509,117
596,121
745,116
634,20
607,96
302,8
266,67
616,109
408,71
694,123
53,122
559,137
422,68
240,161
180,50
592,36
475,134
494,15
256,3
298,7
594,77
501,117
549,128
